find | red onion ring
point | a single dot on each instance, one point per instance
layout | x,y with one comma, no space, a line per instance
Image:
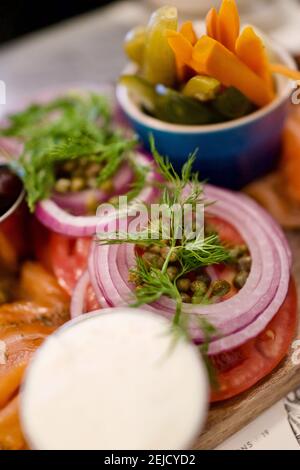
237,319
78,300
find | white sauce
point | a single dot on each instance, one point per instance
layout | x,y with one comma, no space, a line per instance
112,381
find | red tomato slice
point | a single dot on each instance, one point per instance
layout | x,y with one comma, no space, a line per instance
240,369
227,232
69,257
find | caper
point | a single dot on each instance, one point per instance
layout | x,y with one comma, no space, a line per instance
183,284
93,170
153,260
107,186
69,166
172,272
134,278
204,277
196,300
245,263
220,288
62,185
165,253
186,298
209,229
238,251
199,286
77,184
240,279
92,183
154,249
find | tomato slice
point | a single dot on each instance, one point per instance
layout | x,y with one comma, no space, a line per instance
69,257
240,369
227,232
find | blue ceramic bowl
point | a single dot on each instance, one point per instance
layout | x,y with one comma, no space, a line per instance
230,154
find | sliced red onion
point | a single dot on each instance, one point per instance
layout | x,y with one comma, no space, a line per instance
237,319
58,220
78,302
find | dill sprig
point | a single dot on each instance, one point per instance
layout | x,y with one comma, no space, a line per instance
67,128
152,281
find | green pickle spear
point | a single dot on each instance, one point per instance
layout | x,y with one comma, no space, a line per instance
168,105
134,44
202,88
232,104
159,61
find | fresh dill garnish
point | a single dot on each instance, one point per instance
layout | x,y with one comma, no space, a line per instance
191,253
64,129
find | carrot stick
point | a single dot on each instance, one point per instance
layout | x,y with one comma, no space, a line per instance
212,24
187,30
251,50
228,24
283,70
213,59
183,51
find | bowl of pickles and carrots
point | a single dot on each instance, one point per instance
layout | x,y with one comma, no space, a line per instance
223,94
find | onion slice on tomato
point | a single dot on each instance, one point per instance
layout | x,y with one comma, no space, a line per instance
237,319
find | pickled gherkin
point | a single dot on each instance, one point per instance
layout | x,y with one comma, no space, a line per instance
159,61
169,105
202,88
232,104
134,44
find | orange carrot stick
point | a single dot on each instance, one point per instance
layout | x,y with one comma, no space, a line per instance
228,24
283,70
251,50
212,24
187,30
213,59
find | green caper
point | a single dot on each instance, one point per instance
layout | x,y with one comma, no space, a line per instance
196,300
220,288
134,278
172,272
165,252
77,184
199,286
93,170
183,284
240,279
245,263
185,298
154,249
153,260
69,166
62,185
204,277
107,186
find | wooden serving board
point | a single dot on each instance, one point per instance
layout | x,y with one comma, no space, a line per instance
227,418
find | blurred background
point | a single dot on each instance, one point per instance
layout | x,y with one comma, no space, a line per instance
18,17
